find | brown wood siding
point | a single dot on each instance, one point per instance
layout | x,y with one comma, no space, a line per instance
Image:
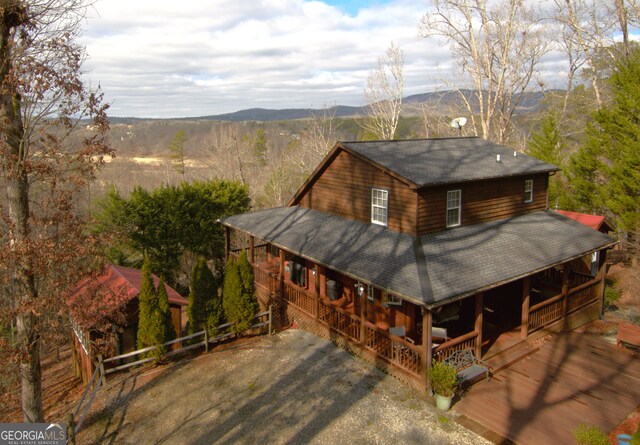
344,189
481,201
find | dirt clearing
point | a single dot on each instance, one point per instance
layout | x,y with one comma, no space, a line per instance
290,388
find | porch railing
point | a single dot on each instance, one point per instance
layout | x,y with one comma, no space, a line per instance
301,299
553,309
266,279
390,348
394,349
446,349
341,321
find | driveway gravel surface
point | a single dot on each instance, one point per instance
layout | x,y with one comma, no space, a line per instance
289,388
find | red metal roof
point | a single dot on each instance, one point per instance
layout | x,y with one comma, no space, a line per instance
594,221
95,298
133,277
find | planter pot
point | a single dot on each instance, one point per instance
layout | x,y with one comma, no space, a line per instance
443,403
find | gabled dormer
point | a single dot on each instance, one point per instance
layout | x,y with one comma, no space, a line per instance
423,186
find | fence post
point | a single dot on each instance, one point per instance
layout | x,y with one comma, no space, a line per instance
206,340
103,375
71,434
270,319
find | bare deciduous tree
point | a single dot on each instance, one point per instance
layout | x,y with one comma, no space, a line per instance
498,46
383,94
588,28
233,152
42,99
317,138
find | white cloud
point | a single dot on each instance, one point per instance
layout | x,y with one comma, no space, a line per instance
191,58
159,58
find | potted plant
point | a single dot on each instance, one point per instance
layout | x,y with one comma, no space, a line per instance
443,379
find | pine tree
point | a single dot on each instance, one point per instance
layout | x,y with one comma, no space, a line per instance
146,307
610,157
260,146
547,145
176,152
239,300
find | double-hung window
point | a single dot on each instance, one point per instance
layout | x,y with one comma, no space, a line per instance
454,204
528,190
370,293
379,206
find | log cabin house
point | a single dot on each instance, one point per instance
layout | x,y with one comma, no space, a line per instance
116,287
406,251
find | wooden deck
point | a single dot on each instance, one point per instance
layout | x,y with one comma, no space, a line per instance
572,379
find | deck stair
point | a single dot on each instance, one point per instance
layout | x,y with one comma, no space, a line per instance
507,357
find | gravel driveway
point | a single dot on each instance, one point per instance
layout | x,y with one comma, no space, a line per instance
290,388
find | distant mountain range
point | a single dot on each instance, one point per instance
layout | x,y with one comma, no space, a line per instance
412,106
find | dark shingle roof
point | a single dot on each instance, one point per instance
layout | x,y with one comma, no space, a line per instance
432,268
439,161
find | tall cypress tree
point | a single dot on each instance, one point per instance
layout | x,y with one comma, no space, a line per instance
215,308
166,331
202,296
239,300
146,307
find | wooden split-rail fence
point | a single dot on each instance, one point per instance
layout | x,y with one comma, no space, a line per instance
99,376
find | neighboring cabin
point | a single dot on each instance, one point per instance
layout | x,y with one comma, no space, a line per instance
406,251
116,287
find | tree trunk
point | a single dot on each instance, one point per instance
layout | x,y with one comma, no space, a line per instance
17,191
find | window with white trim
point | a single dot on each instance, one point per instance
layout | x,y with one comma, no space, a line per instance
379,205
528,190
453,207
390,299
370,293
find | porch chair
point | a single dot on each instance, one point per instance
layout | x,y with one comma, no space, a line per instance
440,334
400,331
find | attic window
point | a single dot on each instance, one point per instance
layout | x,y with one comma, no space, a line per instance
453,207
528,190
379,205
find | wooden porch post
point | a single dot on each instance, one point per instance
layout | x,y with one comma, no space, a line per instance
281,273
252,253
363,317
602,256
478,323
227,242
427,342
565,291
526,303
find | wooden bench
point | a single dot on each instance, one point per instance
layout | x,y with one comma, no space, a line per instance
468,367
628,334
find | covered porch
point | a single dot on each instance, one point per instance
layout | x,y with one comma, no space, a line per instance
402,301
391,331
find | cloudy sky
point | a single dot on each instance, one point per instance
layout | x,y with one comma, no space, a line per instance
156,58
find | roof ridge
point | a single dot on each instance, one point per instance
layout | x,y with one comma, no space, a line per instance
411,140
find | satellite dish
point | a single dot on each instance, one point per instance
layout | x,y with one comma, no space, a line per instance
458,123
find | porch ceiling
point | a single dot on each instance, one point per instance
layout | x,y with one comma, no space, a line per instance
433,268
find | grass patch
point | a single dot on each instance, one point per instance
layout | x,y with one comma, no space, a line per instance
590,435
444,420
611,294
